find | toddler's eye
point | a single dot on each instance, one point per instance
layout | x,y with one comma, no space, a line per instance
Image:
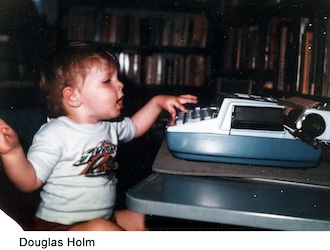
107,81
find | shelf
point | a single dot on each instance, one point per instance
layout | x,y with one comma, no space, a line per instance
284,46
158,43
180,6
151,49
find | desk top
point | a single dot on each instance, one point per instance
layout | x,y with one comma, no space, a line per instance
253,203
252,196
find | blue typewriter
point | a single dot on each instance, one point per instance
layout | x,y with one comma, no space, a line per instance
246,129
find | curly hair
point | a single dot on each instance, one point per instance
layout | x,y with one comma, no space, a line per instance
65,67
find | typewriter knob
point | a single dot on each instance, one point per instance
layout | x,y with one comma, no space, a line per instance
313,125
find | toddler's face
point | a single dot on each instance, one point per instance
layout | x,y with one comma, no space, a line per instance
102,94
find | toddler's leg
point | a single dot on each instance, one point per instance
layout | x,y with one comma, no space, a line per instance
97,225
130,221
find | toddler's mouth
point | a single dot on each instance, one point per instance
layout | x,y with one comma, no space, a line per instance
120,102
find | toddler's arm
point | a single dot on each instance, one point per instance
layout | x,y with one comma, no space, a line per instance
145,117
19,170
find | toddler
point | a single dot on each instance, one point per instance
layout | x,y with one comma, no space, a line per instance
72,157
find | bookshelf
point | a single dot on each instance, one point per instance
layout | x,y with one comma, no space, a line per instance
20,44
162,46
279,47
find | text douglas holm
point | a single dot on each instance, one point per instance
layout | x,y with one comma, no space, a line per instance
44,243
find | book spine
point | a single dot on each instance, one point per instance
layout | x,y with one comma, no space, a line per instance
282,59
326,68
303,24
319,58
307,58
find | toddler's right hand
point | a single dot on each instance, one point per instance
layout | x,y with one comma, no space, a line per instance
8,138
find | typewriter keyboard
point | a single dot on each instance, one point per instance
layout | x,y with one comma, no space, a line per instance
196,114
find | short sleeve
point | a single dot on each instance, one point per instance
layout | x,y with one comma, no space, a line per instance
44,152
126,129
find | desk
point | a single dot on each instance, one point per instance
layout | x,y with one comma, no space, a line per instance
252,202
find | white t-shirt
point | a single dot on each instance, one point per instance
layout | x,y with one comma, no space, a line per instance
73,160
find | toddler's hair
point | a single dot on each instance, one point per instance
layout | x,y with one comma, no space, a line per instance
68,65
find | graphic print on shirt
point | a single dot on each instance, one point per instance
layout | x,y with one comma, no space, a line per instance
100,160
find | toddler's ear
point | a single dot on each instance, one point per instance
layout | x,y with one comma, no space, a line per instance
71,96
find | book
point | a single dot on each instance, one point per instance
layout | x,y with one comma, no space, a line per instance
272,38
149,79
319,55
130,66
238,47
291,55
167,31
186,31
158,72
306,62
326,76
253,45
178,31
302,27
281,52
199,31
229,49
152,30
134,29
282,59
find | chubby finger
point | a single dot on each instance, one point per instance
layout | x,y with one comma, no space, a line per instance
5,129
171,122
171,110
7,133
188,99
2,123
178,105
184,99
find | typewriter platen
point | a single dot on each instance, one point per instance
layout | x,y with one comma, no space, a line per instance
245,129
